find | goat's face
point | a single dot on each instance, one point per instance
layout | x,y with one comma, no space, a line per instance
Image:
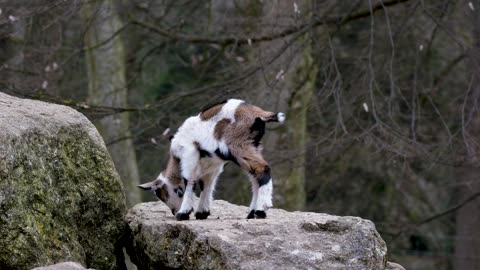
171,196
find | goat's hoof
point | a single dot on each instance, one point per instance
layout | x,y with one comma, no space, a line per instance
257,214
202,215
182,216
260,214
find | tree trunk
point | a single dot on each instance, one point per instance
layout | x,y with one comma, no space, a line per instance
286,85
107,87
467,240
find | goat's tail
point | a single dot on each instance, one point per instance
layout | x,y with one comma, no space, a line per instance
274,117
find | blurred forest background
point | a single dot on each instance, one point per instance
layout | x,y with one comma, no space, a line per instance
381,96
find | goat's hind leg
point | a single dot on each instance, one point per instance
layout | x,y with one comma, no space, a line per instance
253,203
264,194
252,161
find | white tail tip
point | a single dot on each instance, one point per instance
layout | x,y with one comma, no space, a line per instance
281,117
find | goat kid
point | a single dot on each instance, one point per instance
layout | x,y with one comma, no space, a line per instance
227,131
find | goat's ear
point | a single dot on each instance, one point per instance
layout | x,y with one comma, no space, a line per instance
152,185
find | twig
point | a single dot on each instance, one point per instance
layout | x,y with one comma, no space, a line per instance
340,21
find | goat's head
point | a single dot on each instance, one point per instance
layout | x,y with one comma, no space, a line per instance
171,196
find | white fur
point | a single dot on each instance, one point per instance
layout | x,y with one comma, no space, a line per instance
188,198
254,182
281,117
222,146
229,109
264,199
206,197
196,130
189,163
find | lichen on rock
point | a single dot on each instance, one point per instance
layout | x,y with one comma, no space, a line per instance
60,196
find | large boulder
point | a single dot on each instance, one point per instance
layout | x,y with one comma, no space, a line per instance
60,196
226,240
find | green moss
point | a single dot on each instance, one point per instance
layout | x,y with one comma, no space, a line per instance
61,200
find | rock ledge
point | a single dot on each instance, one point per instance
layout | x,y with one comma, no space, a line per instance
226,240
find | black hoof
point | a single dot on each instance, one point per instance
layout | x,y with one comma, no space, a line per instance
183,216
260,214
202,215
257,214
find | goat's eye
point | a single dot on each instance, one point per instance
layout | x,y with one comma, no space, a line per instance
179,191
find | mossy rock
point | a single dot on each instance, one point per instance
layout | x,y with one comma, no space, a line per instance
61,198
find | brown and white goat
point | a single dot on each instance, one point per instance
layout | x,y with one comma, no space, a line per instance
227,131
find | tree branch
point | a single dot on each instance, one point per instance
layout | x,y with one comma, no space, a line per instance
436,216
340,21
82,106
449,210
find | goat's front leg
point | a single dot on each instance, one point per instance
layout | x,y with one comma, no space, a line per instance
190,173
188,200
207,186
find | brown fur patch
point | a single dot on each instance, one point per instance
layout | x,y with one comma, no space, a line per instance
211,112
172,172
220,128
162,193
250,159
239,134
248,112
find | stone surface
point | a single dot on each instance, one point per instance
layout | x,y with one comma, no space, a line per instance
63,266
394,266
226,240
60,196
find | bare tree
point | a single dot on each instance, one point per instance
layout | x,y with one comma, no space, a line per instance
467,240
108,87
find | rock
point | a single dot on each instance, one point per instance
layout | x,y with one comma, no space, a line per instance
226,240
61,198
63,266
394,266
